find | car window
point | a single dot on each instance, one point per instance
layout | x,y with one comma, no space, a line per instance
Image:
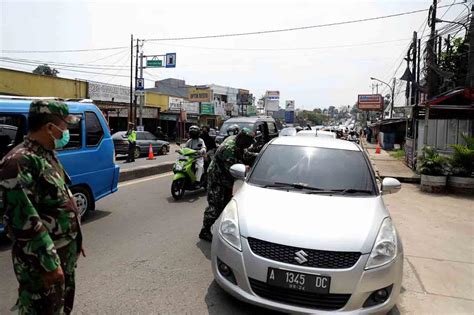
271,128
75,133
323,168
94,131
149,136
140,135
12,130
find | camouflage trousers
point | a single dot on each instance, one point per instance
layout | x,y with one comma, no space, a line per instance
33,297
218,196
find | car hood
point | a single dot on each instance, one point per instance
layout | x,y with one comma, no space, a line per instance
333,223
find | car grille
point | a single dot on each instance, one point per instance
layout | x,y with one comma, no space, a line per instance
327,302
315,258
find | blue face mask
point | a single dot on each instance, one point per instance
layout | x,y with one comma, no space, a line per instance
61,143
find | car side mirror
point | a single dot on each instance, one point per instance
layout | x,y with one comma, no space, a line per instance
238,171
390,185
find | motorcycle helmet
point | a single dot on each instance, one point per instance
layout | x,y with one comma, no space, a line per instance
194,132
245,138
233,130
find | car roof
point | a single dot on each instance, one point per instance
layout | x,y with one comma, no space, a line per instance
23,106
316,142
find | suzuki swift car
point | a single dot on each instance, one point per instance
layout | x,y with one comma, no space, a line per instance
308,231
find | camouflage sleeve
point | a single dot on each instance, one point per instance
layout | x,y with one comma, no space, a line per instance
229,159
24,223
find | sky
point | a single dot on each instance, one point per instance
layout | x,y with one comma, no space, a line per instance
316,67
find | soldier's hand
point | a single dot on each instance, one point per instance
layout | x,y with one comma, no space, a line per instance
53,277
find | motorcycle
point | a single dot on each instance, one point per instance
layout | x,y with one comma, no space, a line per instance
184,170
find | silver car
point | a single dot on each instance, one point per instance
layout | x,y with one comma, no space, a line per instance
308,231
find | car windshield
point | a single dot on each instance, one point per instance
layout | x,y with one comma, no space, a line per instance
241,124
313,170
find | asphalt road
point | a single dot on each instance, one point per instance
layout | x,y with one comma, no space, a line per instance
170,157
143,256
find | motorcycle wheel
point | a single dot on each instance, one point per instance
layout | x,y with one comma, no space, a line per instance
177,189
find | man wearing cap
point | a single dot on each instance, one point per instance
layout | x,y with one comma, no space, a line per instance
220,181
40,213
132,142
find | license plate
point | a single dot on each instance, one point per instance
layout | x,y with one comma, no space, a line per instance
298,281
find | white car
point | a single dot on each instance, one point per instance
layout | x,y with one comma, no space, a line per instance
317,133
308,231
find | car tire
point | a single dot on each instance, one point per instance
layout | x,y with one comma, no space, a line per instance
164,150
137,153
84,200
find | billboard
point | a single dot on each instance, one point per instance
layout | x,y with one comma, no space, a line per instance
373,102
272,101
106,92
175,103
290,117
199,95
290,106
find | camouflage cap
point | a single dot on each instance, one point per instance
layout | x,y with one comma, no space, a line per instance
247,131
52,107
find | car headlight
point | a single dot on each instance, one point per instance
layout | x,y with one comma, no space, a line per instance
229,226
385,247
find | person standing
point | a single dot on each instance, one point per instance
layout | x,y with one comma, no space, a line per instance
132,142
220,181
40,213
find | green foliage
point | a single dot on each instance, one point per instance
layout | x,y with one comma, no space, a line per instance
312,117
455,60
46,70
398,154
431,163
462,161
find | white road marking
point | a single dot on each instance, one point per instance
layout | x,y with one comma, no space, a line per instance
146,179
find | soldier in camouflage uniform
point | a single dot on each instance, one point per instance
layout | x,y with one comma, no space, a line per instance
220,181
40,213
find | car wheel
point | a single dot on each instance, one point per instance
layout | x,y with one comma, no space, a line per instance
177,188
165,150
84,200
136,152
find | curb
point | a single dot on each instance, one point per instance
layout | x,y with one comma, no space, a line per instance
144,171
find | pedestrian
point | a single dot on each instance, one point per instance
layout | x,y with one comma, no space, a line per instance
132,142
220,181
40,213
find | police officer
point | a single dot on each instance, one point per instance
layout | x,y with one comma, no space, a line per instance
220,181
40,213
132,142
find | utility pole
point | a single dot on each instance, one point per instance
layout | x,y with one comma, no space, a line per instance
130,116
136,80
142,97
393,97
470,63
414,87
431,75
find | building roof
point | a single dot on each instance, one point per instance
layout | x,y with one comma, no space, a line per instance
172,87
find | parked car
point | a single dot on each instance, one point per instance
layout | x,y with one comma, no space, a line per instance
90,142
308,231
144,139
264,126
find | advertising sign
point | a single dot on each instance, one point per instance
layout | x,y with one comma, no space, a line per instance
175,104
106,92
199,95
370,102
272,101
191,107
207,108
290,106
289,117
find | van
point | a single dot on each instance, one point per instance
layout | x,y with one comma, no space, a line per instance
264,127
88,158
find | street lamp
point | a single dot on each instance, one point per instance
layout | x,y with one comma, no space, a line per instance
392,89
452,22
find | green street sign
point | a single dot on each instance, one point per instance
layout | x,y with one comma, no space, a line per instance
154,63
207,108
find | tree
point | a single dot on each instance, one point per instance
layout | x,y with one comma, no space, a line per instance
46,70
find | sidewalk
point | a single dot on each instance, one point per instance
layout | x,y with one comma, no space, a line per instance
387,166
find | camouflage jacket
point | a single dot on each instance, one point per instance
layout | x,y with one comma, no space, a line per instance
227,154
38,209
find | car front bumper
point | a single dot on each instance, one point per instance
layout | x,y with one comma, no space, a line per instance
356,281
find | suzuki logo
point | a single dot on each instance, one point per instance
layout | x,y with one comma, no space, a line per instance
301,257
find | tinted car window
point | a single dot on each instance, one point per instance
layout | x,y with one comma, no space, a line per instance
11,132
140,135
315,167
75,132
149,136
94,131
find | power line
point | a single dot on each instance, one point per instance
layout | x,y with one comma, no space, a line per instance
68,65
292,28
13,51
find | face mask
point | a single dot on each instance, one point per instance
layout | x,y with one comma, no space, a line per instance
61,143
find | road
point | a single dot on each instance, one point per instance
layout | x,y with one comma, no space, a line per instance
170,157
143,256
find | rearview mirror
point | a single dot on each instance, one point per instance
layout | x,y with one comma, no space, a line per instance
390,185
238,171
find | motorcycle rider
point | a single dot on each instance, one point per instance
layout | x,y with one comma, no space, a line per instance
232,132
220,181
197,144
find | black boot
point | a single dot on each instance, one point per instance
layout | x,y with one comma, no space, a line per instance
205,234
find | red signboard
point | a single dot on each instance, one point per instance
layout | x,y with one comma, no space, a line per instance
370,102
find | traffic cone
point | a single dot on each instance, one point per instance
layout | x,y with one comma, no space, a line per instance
150,153
377,148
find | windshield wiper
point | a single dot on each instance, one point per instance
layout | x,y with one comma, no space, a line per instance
292,185
340,191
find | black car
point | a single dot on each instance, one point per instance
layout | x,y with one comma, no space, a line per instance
264,127
144,139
